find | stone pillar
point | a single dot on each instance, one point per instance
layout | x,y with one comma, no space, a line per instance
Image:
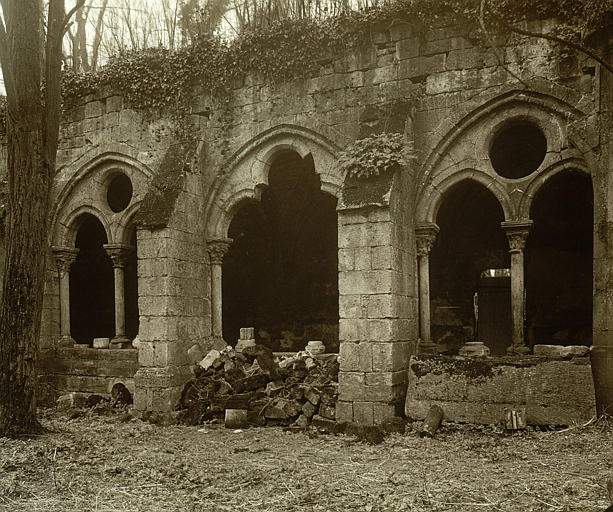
425,237
119,254
64,258
517,233
217,249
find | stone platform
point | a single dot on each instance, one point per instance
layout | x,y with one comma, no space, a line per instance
88,370
477,390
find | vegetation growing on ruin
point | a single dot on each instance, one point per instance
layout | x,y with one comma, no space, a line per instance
375,155
285,49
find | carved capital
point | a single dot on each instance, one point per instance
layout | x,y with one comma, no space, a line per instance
217,249
64,258
517,233
425,236
119,254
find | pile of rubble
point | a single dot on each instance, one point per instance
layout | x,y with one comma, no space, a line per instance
297,390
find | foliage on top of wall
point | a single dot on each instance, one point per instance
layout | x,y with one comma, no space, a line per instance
159,78
375,155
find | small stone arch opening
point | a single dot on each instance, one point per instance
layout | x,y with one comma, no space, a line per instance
470,241
280,274
559,265
518,148
91,284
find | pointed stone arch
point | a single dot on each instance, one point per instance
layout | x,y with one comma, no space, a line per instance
245,174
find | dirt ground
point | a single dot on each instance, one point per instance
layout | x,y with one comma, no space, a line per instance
114,463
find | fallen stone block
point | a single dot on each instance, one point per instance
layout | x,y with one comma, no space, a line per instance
313,396
302,421
210,359
327,411
73,401
236,418
327,424
195,353
308,409
101,342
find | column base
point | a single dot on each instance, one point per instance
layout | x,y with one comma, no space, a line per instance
65,341
120,342
518,350
427,348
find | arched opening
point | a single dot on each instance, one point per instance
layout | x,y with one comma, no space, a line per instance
559,262
470,242
131,289
281,274
91,284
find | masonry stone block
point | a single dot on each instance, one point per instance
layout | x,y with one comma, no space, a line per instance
94,109
349,306
363,413
352,329
346,259
162,353
344,412
383,412
362,258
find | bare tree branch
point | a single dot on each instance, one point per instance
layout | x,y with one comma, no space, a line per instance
66,21
576,46
492,43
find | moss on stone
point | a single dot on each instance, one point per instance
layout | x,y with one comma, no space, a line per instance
159,201
374,190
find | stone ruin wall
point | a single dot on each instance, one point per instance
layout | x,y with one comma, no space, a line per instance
424,83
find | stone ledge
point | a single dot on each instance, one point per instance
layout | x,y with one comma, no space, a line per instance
552,392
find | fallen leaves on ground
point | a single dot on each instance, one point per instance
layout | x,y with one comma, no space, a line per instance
105,463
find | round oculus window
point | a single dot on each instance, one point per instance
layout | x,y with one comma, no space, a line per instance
518,149
119,193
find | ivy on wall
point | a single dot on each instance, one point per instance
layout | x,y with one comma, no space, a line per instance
375,155
157,78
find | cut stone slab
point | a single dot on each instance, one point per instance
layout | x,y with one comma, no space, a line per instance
561,351
553,392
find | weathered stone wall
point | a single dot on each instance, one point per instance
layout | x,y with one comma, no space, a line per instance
551,392
439,87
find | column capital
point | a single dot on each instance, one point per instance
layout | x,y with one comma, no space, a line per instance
64,257
119,253
425,234
217,249
517,232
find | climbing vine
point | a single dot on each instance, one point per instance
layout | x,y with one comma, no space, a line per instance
158,78
375,155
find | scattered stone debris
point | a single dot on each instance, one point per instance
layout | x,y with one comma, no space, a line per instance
298,390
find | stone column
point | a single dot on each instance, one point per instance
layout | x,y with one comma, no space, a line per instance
217,249
425,236
64,258
517,233
119,254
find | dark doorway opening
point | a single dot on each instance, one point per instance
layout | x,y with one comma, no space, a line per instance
559,262
91,285
281,273
470,241
131,289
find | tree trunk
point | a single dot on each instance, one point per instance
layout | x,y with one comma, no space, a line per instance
22,294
